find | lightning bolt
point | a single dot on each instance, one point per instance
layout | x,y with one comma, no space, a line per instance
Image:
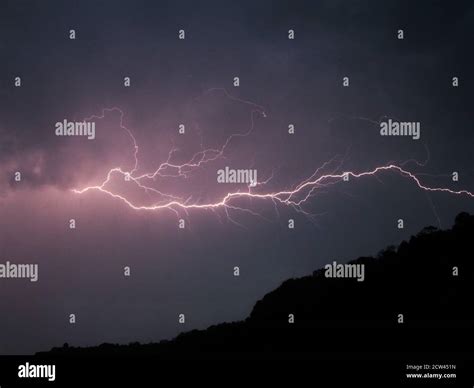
296,197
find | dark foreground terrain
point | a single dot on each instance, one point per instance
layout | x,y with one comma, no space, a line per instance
344,318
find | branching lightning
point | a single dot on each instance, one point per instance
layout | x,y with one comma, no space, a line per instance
296,197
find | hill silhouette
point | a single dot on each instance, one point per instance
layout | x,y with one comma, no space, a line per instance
338,316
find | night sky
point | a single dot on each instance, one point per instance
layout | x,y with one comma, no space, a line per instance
191,82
